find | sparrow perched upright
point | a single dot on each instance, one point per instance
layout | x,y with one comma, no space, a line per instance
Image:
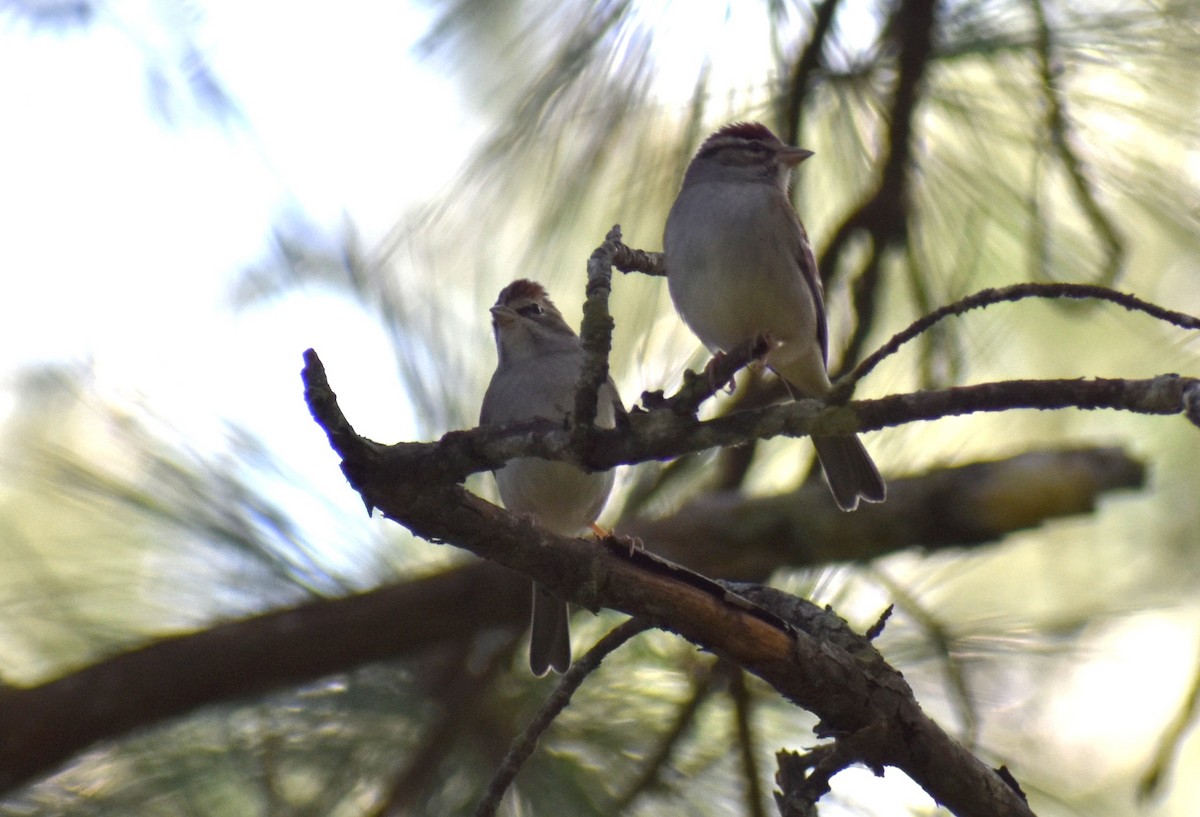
739,266
539,362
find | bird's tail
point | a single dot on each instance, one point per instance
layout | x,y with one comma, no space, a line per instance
550,636
849,471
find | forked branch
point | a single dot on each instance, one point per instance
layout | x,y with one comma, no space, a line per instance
808,655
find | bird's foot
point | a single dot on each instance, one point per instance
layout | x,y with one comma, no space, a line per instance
761,346
632,542
718,379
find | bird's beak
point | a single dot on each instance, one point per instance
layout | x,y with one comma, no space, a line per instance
791,156
503,315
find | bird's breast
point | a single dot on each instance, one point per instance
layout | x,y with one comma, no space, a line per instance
563,498
732,268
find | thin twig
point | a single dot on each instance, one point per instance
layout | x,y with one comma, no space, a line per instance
1058,125
702,690
596,336
628,260
719,372
1016,292
1171,742
524,744
743,709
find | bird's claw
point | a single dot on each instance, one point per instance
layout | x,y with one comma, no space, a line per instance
632,542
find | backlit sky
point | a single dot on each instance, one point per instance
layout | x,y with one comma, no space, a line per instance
123,231
125,228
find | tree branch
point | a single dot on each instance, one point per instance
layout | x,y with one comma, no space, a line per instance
802,72
1058,125
748,538
863,702
43,726
524,744
662,434
1016,292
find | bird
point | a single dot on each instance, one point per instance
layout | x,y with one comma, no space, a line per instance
739,267
539,359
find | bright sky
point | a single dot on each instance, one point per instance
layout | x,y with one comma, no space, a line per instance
123,233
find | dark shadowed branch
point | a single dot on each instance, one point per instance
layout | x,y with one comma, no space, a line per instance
743,537
804,69
1058,126
418,486
43,726
861,702
661,434
884,214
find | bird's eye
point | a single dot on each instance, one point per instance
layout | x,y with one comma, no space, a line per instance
531,310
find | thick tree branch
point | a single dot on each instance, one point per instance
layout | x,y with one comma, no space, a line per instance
750,537
860,701
662,434
43,726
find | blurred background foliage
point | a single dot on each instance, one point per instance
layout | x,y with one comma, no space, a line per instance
1050,141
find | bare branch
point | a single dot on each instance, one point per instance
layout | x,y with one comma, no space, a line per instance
860,700
1058,124
735,536
523,746
720,371
663,434
743,709
804,69
596,336
702,689
1016,292
629,260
